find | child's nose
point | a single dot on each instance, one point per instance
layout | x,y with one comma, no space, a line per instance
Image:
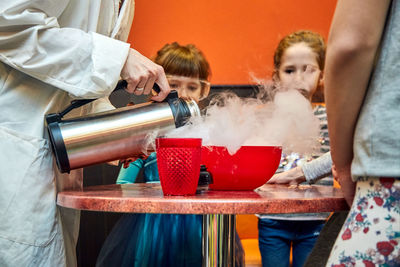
182,93
299,76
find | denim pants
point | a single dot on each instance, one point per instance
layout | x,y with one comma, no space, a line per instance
277,236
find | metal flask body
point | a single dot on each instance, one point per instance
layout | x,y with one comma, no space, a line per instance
115,134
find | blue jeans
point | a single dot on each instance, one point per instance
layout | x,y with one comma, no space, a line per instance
277,236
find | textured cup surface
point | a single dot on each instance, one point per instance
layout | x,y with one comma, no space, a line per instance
178,161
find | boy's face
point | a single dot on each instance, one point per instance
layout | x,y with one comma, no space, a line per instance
299,70
188,87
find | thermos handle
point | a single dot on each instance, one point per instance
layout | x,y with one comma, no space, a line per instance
122,84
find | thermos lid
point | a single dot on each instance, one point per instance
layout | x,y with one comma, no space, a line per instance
182,109
193,108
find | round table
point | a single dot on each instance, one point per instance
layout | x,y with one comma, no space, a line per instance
218,207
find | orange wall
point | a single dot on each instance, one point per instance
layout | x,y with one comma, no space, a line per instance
238,37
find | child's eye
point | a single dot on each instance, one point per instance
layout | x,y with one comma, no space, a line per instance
309,68
173,85
288,71
193,87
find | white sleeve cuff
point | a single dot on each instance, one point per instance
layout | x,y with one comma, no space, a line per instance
317,168
108,57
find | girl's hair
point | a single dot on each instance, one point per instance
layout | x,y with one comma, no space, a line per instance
182,60
311,39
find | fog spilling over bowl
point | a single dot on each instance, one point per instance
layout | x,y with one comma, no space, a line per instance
247,169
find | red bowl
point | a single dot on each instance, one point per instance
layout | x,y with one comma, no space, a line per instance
249,168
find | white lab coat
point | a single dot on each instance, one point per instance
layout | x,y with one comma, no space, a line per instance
51,51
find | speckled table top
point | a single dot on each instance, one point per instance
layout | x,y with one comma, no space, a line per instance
148,198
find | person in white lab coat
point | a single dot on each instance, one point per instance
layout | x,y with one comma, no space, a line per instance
50,53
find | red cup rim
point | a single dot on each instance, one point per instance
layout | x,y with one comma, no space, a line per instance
178,142
258,146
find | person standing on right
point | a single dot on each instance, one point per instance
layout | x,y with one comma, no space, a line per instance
362,84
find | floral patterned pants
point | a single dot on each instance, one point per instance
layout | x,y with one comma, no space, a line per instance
370,235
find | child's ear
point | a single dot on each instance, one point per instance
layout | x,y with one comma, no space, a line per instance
205,91
321,80
275,76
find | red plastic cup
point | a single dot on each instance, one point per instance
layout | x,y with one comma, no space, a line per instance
178,162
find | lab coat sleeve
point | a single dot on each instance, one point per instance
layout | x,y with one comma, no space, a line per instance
85,64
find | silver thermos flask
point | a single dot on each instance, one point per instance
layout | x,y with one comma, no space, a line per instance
115,134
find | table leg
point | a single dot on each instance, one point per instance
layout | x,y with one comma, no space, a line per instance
219,240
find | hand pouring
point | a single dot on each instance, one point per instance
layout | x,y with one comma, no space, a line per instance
115,134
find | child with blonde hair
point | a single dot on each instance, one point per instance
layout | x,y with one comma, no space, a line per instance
298,65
